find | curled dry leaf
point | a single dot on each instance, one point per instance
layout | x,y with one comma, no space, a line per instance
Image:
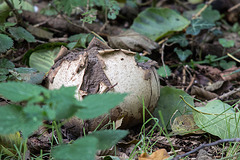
133,41
202,94
160,154
112,70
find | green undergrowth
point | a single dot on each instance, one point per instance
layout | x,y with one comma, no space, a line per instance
31,105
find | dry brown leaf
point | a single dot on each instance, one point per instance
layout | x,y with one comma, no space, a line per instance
209,71
227,76
157,155
202,94
133,41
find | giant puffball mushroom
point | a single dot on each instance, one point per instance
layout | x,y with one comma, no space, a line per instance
98,69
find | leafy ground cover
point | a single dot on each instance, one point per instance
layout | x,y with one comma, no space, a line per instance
193,44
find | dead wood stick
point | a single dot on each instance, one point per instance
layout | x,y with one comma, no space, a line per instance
206,145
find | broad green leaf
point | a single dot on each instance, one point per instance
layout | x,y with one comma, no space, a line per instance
183,55
170,102
63,102
5,43
219,119
197,25
180,39
82,149
13,119
46,46
9,24
210,15
158,22
226,43
226,65
33,117
43,59
5,63
164,71
108,138
20,91
3,71
21,33
98,104
71,45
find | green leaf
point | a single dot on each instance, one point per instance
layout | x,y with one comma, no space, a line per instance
140,58
21,33
46,46
108,138
4,12
158,22
3,71
19,4
226,65
82,149
3,78
89,16
5,63
183,55
20,91
113,9
43,59
170,102
68,6
226,43
164,72
98,104
82,39
197,25
33,118
63,102
219,119
13,119
5,43
210,15
180,39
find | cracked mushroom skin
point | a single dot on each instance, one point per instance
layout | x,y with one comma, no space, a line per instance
100,69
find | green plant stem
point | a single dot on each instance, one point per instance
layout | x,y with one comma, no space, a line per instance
59,135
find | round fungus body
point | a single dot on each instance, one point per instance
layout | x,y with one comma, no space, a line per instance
100,69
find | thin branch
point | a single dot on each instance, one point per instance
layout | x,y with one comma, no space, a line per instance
234,7
206,145
203,9
69,21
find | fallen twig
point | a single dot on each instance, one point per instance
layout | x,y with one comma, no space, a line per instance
207,145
